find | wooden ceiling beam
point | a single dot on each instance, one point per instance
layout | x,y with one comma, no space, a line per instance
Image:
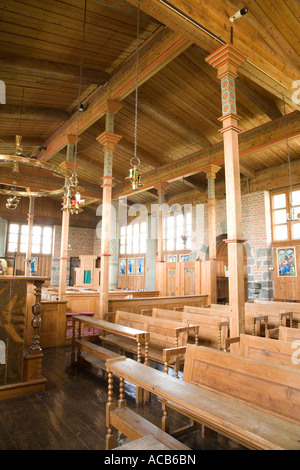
207,25
54,70
162,47
262,137
37,180
15,112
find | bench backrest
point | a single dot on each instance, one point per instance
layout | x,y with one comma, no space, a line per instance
269,350
225,312
270,387
289,334
212,328
162,332
273,309
167,314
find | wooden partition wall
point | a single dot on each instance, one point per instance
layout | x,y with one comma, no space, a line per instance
286,284
186,278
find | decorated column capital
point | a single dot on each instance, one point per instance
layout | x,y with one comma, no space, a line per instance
108,139
161,187
211,170
226,60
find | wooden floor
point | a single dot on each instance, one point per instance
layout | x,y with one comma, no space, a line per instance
70,414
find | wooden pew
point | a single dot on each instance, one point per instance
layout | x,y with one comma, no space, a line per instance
269,350
133,336
255,324
134,426
251,402
285,333
163,333
277,312
213,329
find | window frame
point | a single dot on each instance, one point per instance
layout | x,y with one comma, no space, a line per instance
289,223
127,239
41,242
177,230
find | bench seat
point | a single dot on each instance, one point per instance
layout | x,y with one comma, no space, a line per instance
134,426
231,412
163,333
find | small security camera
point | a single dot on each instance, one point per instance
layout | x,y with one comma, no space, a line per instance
82,107
238,14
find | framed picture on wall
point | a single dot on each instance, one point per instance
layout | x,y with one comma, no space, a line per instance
140,266
286,262
131,266
122,266
185,258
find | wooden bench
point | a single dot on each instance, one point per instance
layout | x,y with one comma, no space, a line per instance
279,313
134,426
251,402
163,333
255,324
269,350
120,332
285,333
92,351
213,329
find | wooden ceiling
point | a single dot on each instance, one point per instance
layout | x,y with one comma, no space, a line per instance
44,45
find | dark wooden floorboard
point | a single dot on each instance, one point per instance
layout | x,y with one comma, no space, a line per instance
70,414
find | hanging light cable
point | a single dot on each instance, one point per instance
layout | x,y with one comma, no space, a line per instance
291,216
73,199
134,172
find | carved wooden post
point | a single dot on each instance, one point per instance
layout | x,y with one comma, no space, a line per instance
68,164
211,171
160,278
29,240
226,59
36,320
109,140
161,191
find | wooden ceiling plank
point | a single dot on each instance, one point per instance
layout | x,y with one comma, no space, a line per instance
48,69
165,45
252,141
262,66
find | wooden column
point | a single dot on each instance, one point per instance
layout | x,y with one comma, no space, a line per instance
161,188
160,271
226,59
109,140
211,171
30,220
68,164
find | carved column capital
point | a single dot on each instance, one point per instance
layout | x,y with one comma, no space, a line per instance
161,187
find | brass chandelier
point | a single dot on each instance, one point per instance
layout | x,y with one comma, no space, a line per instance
134,171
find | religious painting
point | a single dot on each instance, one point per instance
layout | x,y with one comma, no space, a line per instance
286,261
140,266
33,266
123,266
185,258
131,266
172,258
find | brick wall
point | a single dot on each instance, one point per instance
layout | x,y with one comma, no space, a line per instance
256,228
82,241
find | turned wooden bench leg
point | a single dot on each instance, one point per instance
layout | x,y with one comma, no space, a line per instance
110,440
165,422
